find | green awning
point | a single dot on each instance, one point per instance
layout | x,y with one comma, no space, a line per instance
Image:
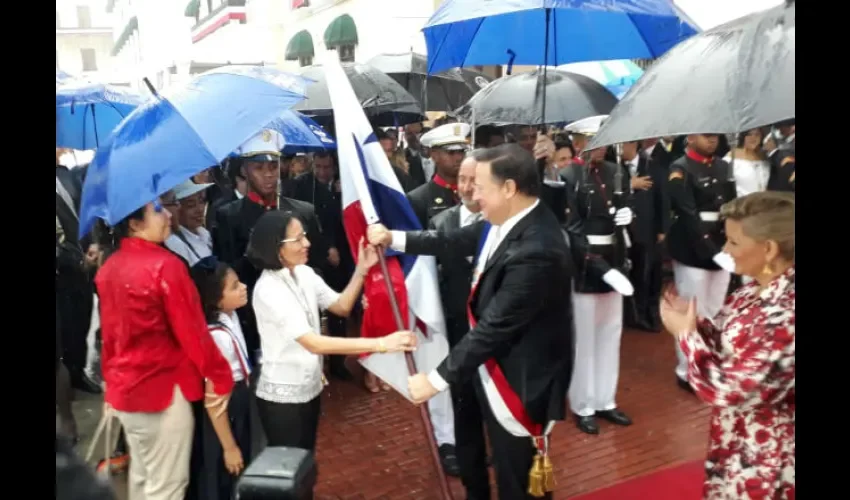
300,45
341,31
192,8
132,25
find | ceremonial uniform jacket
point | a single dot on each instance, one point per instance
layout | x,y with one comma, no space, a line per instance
432,198
698,186
234,222
590,223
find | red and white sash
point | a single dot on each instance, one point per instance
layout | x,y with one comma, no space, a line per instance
505,403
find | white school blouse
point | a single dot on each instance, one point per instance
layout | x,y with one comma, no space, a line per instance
287,308
227,334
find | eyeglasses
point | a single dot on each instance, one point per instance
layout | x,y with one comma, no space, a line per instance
298,239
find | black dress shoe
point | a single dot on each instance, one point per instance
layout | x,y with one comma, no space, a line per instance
449,460
587,425
683,384
615,416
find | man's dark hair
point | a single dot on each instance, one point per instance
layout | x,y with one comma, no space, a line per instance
267,237
324,154
381,134
512,162
560,143
485,133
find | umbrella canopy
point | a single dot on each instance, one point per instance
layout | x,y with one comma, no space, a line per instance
445,91
172,137
470,32
385,102
617,76
87,112
62,77
517,100
300,133
733,78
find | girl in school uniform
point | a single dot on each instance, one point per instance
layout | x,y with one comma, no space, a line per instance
225,436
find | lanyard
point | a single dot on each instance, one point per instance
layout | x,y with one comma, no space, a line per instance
303,302
241,355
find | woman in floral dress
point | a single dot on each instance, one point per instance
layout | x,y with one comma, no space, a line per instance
742,362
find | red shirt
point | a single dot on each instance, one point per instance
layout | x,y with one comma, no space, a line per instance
153,330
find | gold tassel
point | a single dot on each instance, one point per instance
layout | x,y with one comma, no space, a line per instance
548,474
535,478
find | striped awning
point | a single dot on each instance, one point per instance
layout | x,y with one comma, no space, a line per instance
300,45
341,31
132,25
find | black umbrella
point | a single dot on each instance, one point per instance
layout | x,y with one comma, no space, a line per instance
384,101
518,99
733,78
445,91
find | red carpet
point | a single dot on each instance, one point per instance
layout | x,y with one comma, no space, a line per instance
683,482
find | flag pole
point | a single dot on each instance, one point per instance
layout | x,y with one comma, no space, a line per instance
411,369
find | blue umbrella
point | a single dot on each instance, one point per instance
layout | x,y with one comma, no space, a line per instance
616,76
300,133
172,137
87,112
471,32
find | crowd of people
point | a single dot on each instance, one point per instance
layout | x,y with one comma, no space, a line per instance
231,289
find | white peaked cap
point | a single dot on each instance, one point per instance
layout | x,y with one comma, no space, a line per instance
265,142
586,126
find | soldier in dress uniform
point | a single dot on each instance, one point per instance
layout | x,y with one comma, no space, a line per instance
448,145
596,220
698,184
259,160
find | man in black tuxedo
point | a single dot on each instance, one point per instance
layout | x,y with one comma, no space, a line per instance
259,159
518,351
651,207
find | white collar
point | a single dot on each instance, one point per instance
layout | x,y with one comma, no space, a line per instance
465,214
509,224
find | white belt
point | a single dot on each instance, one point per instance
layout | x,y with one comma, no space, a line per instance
606,239
709,216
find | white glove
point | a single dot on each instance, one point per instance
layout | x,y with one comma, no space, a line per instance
725,261
619,282
623,217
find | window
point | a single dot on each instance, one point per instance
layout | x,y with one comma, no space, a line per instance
89,59
305,61
346,53
83,16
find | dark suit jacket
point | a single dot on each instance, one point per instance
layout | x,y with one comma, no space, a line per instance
234,222
415,170
522,308
651,207
455,275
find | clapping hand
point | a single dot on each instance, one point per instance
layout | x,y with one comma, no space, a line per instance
679,315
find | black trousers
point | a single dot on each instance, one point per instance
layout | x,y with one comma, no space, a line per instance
512,456
646,278
470,445
290,424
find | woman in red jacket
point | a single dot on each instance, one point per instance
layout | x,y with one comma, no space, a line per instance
156,354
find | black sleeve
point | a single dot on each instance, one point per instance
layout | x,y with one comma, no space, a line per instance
507,315
318,256
461,241
660,199
420,208
222,236
574,226
683,203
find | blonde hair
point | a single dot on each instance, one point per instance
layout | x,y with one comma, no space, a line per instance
766,216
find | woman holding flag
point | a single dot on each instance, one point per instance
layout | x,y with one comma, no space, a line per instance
287,299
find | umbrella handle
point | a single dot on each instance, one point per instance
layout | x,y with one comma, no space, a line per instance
511,57
150,86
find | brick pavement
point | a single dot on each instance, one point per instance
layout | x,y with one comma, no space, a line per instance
372,446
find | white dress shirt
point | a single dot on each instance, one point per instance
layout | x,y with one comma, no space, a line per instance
287,308
191,246
227,334
495,237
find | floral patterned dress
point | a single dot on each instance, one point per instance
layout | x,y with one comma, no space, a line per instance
743,364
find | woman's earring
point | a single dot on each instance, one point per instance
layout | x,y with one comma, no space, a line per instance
767,271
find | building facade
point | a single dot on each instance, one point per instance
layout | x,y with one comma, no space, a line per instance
84,39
